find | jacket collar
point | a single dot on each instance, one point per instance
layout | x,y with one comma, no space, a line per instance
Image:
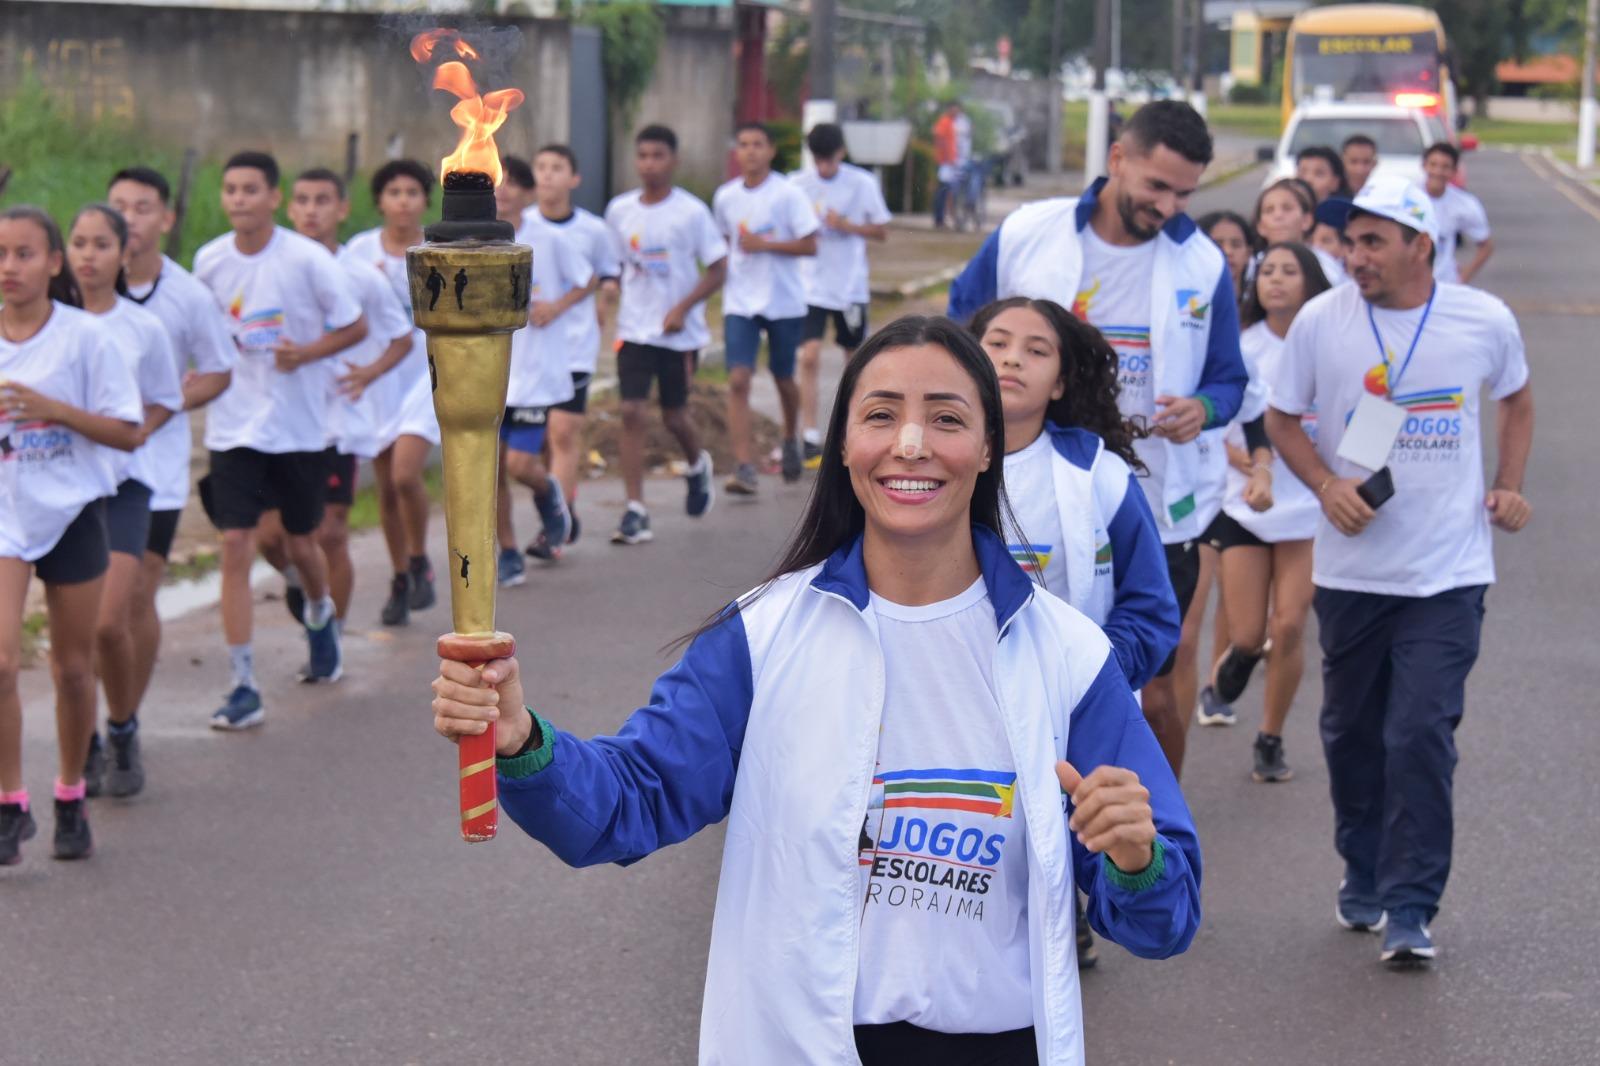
844,574
1076,445
1179,227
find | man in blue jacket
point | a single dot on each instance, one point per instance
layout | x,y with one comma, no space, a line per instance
1127,260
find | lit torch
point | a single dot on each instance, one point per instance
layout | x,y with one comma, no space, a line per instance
469,291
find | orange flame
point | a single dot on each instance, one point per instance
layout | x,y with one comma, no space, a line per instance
479,116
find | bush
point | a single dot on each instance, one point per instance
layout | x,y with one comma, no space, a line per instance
924,180
1249,94
786,138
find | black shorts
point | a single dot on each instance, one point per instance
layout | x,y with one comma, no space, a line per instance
845,335
163,528
640,364
1183,569
82,554
128,518
579,404
1224,533
340,483
244,482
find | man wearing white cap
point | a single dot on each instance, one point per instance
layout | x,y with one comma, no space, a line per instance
1394,366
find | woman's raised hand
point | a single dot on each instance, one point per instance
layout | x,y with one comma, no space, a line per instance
1112,814
466,699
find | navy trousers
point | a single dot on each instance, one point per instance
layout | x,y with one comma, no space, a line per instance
1394,673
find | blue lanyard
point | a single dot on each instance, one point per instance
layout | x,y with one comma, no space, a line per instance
1383,353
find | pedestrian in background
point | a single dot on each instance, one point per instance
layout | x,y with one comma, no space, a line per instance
952,154
1459,214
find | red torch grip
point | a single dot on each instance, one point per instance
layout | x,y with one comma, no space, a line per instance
480,808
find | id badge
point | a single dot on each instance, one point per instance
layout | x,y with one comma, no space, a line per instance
1370,435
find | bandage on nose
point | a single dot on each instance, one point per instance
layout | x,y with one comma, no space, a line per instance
910,446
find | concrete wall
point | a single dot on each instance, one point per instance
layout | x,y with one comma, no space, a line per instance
1031,100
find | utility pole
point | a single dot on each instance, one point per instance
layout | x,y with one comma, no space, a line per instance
1586,108
1197,26
1052,141
1094,149
820,106
1178,9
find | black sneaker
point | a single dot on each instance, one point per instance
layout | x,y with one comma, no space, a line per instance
702,494
72,831
397,608
1232,673
634,528
16,825
422,595
94,766
1087,953
294,600
539,548
126,776
1269,760
792,463
572,535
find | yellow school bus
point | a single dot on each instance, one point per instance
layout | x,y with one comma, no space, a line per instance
1395,53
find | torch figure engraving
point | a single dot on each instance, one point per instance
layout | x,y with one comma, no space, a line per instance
469,358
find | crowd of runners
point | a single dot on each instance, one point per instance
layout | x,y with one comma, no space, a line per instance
1161,380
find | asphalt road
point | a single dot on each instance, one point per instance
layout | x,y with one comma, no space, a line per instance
300,895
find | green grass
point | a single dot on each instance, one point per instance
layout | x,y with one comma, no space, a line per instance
60,165
364,511
1251,120
1499,131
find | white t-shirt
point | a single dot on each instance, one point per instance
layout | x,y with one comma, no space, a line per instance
48,473
361,428
662,247
291,289
143,341
943,861
541,356
1332,268
588,233
200,343
836,277
368,247
1459,213
1433,534
763,284
417,417
1295,512
1031,488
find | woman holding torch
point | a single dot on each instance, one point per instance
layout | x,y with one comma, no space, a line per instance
869,907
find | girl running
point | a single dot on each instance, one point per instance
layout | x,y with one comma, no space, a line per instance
67,396
1267,523
95,247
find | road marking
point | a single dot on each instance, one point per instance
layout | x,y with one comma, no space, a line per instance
1543,168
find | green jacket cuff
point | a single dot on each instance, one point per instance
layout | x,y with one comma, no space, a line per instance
1142,880
1211,410
532,758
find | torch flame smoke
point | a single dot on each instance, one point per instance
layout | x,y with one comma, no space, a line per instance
479,116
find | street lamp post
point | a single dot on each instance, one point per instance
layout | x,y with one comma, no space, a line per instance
1586,108
1094,150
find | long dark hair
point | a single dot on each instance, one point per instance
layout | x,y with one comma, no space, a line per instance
1088,370
119,230
1313,279
63,287
833,516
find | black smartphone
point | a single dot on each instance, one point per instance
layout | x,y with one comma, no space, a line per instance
1376,489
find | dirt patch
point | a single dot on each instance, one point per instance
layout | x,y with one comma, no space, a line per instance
708,407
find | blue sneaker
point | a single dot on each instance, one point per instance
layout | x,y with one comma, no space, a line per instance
634,529
556,518
327,661
702,489
1212,711
1357,910
1408,941
512,570
242,710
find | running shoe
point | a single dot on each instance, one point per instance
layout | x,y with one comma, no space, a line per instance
16,825
294,599
635,528
327,660
1408,941
422,595
397,608
242,710
744,481
126,775
793,463
1088,955
1212,711
1232,673
702,489
94,766
540,548
1358,910
557,520
1270,766
512,570
813,455
572,537
72,831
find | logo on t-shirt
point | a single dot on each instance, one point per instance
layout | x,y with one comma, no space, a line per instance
1082,302
256,330
1132,345
1431,432
33,442
1192,313
648,259
1033,558
1102,555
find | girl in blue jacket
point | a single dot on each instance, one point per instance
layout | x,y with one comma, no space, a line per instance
920,753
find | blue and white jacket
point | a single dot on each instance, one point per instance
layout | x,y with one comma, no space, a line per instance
771,720
1194,322
1116,567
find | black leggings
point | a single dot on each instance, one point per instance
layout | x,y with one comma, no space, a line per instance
901,1043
